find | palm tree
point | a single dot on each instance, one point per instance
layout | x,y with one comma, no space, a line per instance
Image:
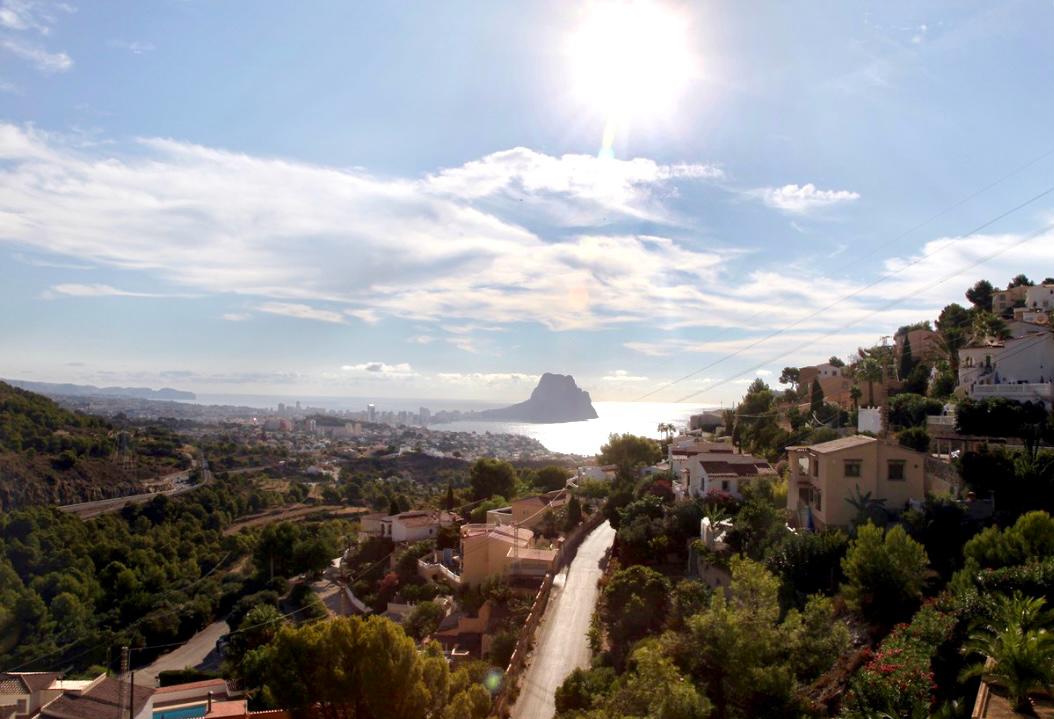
855,394
1018,649
869,369
864,505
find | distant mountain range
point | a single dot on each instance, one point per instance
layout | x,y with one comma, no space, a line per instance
556,399
51,389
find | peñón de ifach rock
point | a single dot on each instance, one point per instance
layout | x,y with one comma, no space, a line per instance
556,399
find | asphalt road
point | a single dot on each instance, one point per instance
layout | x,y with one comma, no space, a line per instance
178,485
190,654
561,644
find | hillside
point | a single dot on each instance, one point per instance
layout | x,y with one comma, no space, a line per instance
49,455
53,389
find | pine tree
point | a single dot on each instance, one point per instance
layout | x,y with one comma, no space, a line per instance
816,403
907,361
449,503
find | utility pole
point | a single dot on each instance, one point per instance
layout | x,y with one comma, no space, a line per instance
121,690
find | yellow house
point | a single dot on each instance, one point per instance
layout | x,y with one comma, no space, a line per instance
825,476
489,550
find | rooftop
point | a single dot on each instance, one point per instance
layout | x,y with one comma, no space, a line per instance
100,702
837,445
25,682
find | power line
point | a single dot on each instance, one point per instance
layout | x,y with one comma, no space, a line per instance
858,291
882,308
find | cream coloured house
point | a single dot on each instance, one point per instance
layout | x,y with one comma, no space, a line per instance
489,550
825,476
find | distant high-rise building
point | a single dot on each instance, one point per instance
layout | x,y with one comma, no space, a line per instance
371,413
425,414
298,405
281,408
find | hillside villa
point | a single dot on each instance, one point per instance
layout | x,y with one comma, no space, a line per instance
491,550
826,476
700,467
529,511
1020,368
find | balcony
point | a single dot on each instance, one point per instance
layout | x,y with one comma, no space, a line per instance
1019,392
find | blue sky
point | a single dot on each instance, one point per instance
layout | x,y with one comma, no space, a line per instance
410,199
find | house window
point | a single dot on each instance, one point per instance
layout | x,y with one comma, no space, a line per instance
814,463
724,485
896,470
818,496
852,468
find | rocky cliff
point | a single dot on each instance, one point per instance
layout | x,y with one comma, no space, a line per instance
556,399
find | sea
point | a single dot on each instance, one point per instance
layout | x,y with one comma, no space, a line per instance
586,437
583,438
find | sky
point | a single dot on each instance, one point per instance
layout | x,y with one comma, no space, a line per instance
445,200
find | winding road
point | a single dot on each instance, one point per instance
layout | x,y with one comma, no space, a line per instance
562,644
191,654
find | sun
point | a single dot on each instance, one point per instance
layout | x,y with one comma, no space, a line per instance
631,59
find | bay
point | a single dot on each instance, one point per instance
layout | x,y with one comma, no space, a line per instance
586,437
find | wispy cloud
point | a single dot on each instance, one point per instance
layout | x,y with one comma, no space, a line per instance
96,290
44,60
476,379
35,15
301,311
226,222
621,375
802,199
136,47
19,18
236,316
368,316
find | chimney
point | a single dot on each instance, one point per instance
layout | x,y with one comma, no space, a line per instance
209,709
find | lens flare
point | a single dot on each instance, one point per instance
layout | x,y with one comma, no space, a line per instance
492,680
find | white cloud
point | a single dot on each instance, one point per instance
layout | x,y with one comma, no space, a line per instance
296,234
37,15
300,311
421,339
764,373
44,60
237,316
574,189
487,378
802,199
368,316
401,369
621,375
465,344
94,290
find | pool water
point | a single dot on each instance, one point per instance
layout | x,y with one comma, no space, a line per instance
189,712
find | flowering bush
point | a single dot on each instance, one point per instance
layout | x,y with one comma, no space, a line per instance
898,678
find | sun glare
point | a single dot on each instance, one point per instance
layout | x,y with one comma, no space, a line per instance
631,60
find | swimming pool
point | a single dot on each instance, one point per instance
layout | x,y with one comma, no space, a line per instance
193,711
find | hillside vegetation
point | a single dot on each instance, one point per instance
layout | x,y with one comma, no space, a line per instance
49,455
